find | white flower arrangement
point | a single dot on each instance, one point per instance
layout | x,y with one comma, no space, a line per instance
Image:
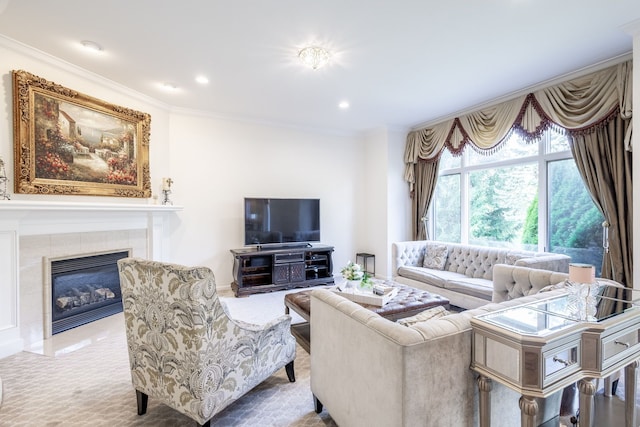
352,271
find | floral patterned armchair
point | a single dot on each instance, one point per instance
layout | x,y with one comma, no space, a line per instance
184,348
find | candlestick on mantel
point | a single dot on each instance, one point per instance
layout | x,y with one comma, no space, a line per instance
3,182
166,183
166,190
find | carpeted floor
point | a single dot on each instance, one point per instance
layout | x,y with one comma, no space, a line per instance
84,380
89,384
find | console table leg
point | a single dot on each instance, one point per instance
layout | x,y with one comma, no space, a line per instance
485,385
630,386
587,391
528,411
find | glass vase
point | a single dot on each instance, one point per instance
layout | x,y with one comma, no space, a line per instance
352,285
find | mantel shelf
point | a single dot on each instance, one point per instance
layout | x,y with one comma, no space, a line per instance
30,205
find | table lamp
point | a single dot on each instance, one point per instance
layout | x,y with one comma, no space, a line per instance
583,291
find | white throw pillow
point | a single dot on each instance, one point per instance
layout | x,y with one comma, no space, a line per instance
511,257
430,314
435,256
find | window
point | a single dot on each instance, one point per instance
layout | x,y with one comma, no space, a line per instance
575,224
499,200
447,208
525,196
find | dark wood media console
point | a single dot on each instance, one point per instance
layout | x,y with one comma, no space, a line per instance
275,269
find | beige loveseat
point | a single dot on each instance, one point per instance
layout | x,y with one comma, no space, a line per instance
370,371
512,281
462,273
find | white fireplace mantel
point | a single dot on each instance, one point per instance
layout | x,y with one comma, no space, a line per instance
19,218
29,208
38,217
22,205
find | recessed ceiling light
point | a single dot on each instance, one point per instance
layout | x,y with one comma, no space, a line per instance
91,46
314,57
343,105
172,87
203,80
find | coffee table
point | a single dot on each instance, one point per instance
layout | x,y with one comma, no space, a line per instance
408,302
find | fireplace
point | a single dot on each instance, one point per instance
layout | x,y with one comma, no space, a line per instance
84,289
33,233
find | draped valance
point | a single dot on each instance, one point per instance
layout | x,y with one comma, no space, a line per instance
579,106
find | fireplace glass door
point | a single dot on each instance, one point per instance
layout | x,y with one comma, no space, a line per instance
85,289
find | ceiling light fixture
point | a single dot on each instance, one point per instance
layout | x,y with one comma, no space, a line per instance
91,46
169,87
343,105
314,57
203,80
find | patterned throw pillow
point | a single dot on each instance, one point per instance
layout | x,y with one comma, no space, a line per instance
432,313
511,257
435,256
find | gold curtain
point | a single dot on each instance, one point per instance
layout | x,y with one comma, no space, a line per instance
426,180
424,145
575,104
605,166
580,106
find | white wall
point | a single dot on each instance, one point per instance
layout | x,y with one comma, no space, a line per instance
215,163
386,215
398,205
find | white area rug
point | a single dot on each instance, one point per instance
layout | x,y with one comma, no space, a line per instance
259,308
91,386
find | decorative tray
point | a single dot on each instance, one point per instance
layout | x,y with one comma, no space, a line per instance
368,297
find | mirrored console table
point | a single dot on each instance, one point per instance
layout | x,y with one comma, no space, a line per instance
539,348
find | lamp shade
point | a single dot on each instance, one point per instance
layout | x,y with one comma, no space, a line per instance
582,273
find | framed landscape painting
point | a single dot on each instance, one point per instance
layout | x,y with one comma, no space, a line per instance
69,143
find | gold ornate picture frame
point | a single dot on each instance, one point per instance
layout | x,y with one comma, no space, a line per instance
68,143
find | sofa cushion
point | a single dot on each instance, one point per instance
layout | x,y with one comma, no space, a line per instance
432,313
481,288
435,256
428,275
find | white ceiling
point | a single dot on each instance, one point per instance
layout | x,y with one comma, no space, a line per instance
398,63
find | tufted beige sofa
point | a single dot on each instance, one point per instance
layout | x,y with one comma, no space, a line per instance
466,278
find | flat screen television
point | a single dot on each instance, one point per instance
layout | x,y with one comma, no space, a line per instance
275,222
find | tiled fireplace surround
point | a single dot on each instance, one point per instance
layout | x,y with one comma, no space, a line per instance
33,233
37,251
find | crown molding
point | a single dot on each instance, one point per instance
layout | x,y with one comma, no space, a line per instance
77,71
632,28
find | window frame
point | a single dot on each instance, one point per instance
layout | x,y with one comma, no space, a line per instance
543,158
